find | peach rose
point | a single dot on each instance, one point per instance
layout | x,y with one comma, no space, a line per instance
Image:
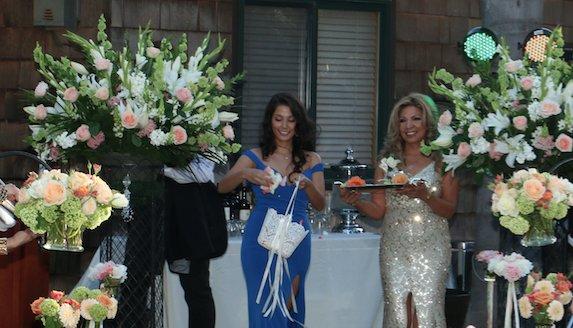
564,143
184,95
534,189
102,192
71,94
54,193
526,83
475,130
102,64
41,89
129,120
520,122
104,300
56,295
102,93
464,150
548,108
400,178
35,306
179,135
542,297
40,112
89,206
228,132
83,133
75,304
445,119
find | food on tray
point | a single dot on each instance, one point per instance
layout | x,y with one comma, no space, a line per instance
355,181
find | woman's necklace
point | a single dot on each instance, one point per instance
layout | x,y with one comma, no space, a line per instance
285,156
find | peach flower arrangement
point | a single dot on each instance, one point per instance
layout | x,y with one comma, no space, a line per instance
545,299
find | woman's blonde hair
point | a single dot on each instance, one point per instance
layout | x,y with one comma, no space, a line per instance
394,144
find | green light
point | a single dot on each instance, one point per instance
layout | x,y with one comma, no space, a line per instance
480,44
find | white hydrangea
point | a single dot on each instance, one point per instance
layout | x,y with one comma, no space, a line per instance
479,145
158,138
533,110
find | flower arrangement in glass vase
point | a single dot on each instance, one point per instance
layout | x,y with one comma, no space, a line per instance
83,307
517,112
544,299
529,202
63,206
156,102
110,275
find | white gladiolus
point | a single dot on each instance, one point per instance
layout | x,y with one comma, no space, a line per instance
444,140
228,117
79,68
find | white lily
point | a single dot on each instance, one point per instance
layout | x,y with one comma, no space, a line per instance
79,68
453,161
498,121
517,149
444,140
140,61
228,117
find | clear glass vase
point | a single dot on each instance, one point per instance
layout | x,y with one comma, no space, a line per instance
64,239
541,232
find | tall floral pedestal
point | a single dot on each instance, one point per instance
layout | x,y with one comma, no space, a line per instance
136,240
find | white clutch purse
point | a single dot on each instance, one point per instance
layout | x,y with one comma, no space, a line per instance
281,237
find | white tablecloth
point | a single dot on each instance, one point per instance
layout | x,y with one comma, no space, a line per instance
343,287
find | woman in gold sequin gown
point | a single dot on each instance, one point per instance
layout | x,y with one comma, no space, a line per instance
415,242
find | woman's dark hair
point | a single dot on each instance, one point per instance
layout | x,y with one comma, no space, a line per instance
304,136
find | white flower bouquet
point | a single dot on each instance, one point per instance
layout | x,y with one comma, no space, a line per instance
155,102
517,112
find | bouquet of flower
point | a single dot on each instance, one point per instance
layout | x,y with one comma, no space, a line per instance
544,299
63,205
392,173
154,102
109,274
528,203
65,311
511,267
518,113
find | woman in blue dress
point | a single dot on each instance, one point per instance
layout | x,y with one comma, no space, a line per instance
287,138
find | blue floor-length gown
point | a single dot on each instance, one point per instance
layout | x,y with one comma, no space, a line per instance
254,257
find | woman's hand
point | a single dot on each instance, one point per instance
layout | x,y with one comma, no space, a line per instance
416,190
12,192
258,177
349,197
304,181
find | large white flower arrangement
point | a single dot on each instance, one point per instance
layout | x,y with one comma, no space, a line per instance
157,102
514,113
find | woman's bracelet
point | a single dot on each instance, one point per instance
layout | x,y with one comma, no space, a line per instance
3,246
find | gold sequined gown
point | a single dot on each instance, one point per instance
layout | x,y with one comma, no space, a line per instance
414,258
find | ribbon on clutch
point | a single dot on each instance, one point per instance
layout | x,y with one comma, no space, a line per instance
511,301
281,237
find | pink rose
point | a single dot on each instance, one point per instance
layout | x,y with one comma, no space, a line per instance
184,95
520,122
95,142
102,93
564,143
83,133
445,119
512,272
152,52
533,189
526,83
35,306
513,66
486,256
473,81
129,120
220,85
544,143
56,295
40,112
475,130
493,153
228,132
71,94
146,131
548,108
102,64
464,150
179,135
41,89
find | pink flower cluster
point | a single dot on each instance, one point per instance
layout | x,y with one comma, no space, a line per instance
511,267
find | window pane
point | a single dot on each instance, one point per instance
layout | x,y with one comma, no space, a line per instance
347,84
275,59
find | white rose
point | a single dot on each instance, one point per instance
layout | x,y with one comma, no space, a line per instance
119,201
41,89
507,205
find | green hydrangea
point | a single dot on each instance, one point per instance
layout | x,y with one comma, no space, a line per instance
98,312
94,293
80,293
524,205
517,226
49,213
552,277
71,205
50,307
562,210
28,213
554,211
101,214
75,220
